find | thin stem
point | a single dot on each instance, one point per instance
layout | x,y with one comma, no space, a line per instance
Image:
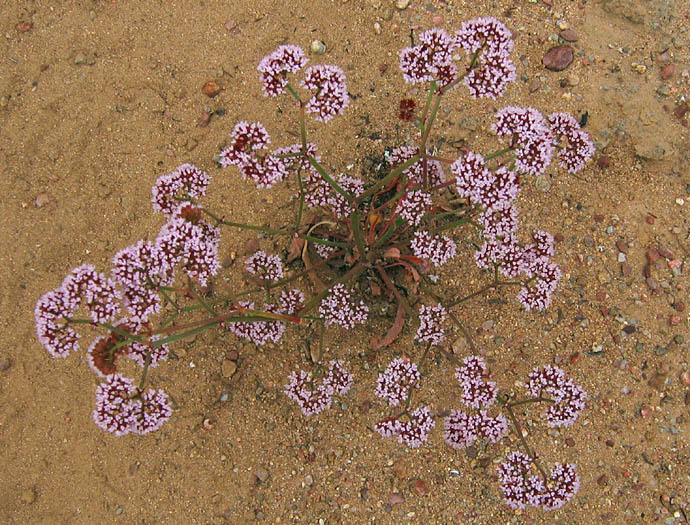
301,200
528,401
518,431
498,153
329,179
294,94
429,97
381,183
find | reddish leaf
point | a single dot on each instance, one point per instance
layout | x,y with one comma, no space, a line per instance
393,331
393,253
295,250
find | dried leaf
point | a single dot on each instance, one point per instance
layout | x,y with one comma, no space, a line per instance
375,289
393,253
295,249
393,331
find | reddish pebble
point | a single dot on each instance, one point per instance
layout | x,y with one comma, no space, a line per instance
667,71
211,88
23,27
570,442
626,270
650,219
602,480
609,442
685,378
665,253
396,498
420,488
437,20
568,35
575,357
558,58
598,218
558,237
679,306
622,246
604,162
674,320
41,200
653,255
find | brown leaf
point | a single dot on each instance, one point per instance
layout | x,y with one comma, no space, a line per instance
295,249
393,331
375,289
251,246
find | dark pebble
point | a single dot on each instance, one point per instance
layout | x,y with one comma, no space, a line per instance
558,58
622,246
604,162
5,364
667,71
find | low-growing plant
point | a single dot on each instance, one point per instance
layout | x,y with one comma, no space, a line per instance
384,235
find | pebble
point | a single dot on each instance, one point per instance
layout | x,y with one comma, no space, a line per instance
396,498
622,246
420,488
228,368
5,364
261,474
41,200
568,35
543,182
402,4
317,47
558,58
534,85
377,28
667,71
28,496
23,27
211,88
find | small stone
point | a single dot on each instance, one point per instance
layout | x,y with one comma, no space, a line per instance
5,364
402,4
626,270
543,182
261,474
534,85
674,320
572,80
650,219
664,91
602,480
228,368
377,28
79,59
622,246
558,58
211,88
667,71
420,488
569,35
28,496
317,47
570,442
604,162
685,378
41,200
396,498
23,27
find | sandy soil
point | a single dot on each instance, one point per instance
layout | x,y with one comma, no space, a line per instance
98,98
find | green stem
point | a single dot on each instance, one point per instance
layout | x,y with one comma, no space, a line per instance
498,153
329,179
301,200
294,94
429,97
381,183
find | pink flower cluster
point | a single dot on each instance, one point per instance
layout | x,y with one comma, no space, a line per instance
121,408
522,489
83,286
493,42
430,320
258,332
568,398
314,398
534,140
339,308
395,383
247,140
438,249
265,267
430,60
413,206
327,82
412,431
275,66
185,182
462,429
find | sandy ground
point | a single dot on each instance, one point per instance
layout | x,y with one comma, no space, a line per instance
98,98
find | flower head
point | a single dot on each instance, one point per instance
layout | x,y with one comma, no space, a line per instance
291,301
313,398
52,330
533,135
186,181
578,149
430,320
265,267
396,381
275,66
115,411
438,249
339,308
95,290
412,432
152,409
462,430
413,206
429,60
568,398
330,97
